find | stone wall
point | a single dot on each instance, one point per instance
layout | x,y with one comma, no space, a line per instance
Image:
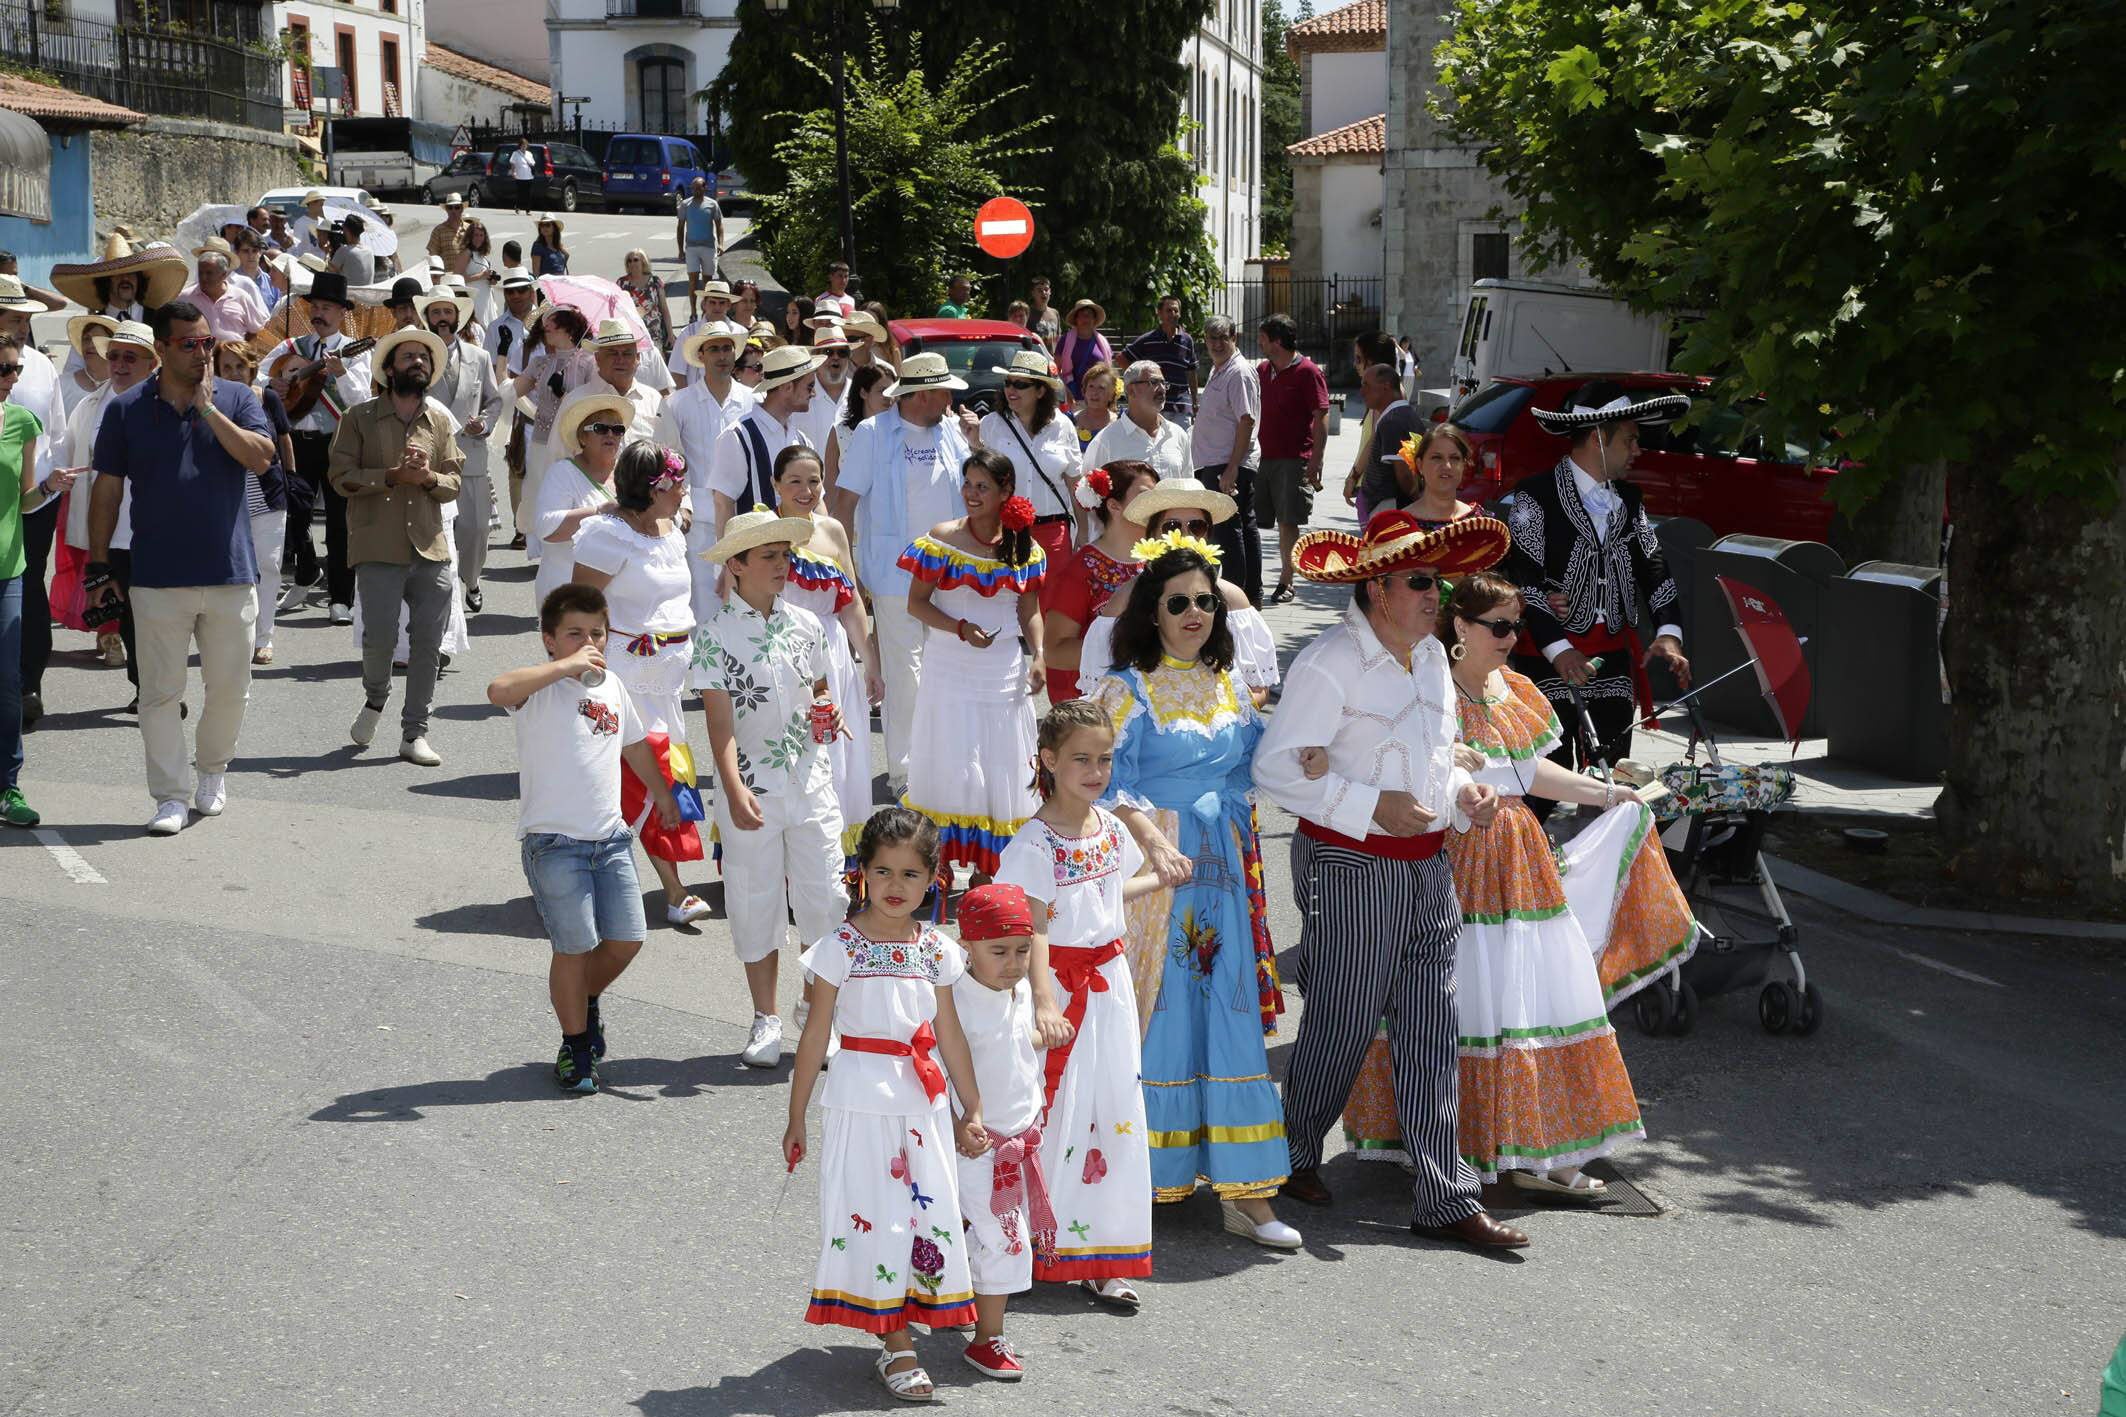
150,177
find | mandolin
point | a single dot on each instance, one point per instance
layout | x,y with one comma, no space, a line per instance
307,384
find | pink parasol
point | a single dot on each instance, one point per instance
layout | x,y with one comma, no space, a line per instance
1775,653
596,298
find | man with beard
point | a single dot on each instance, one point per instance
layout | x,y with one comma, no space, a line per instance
346,384
466,386
396,462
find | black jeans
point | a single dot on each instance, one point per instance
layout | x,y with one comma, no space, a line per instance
38,529
1238,540
308,484
122,573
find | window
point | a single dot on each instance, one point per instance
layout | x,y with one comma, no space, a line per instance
298,35
349,101
389,7
388,73
664,95
1492,409
1488,254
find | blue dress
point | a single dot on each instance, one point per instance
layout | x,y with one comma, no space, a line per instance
1185,737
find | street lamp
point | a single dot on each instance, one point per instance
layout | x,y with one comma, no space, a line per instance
841,114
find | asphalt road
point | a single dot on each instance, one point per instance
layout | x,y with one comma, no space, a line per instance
281,1137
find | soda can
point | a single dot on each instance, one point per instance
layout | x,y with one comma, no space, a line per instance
822,719
591,678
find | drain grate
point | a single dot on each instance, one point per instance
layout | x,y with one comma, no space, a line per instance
1621,1198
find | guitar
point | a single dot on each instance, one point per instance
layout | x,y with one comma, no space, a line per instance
306,385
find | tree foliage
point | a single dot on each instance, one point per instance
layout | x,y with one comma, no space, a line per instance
1280,128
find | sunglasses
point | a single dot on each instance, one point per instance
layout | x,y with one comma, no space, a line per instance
750,366
1500,629
9,371
610,430
196,344
1419,582
1194,526
1025,385
1206,601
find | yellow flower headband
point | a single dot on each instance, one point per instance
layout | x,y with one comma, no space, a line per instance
1153,547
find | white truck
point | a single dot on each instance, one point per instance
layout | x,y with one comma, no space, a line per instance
1526,327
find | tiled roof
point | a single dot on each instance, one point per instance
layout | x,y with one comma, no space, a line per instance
62,105
1353,28
464,66
1368,137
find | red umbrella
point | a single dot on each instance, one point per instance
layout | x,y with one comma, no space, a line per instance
1775,653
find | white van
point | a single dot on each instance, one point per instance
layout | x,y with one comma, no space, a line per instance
1519,328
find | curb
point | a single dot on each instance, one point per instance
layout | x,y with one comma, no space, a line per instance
1879,909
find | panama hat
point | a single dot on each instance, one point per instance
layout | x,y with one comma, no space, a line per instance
83,328
714,332
924,371
1099,312
14,299
380,359
1031,364
215,246
437,294
1397,541
162,269
1605,401
455,199
863,322
1176,492
612,334
134,335
568,423
518,278
830,339
786,366
313,195
716,290
759,527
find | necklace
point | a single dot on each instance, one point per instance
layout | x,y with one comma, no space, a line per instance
981,540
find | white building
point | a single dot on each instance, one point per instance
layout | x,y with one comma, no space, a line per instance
1337,188
377,45
459,89
1224,102
509,34
638,63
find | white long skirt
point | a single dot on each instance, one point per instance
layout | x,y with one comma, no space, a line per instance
971,748
890,1247
1094,1149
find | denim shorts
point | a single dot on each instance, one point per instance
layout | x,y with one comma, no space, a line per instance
586,891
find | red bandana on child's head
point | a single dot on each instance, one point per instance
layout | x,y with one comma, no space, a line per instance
995,912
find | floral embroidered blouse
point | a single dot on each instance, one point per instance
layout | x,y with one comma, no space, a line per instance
769,666
1079,877
885,989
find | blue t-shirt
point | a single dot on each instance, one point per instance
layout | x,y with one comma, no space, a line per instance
190,526
701,220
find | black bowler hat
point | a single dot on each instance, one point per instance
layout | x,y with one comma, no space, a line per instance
405,291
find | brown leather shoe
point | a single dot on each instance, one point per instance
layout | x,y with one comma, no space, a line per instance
1479,1232
1306,1186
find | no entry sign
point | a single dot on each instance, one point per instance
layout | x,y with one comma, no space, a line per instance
1003,228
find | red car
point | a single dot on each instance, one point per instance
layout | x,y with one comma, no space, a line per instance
1715,471
973,349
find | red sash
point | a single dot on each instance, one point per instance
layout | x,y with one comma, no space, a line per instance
1077,970
1600,640
919,1048
1394,848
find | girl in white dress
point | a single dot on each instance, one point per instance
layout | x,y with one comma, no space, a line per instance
891,1249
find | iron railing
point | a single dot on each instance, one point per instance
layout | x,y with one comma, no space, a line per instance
1331,312
653,9
148,70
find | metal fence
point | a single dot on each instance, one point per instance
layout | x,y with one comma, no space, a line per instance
1330,311
149,70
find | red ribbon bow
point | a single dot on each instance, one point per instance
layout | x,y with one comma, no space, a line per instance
1077,969
917,1049
1017,1176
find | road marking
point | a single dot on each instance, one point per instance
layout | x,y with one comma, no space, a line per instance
1949,969
70,861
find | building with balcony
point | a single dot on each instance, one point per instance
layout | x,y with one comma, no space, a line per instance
170,58
637,64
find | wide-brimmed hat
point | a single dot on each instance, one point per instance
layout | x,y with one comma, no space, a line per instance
1607,401
714,332
1166,495
162,269
82,328
437,294
786,366
13,298
135,334
454,199
1397,541
313,195
716,290
611,334
830,338
1031,364
518,278
568,423
216,246
759,527
863,322
547,219
1099,311
380,357
924,371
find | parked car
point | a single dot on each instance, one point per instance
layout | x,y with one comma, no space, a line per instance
650,171
288,201
1717,470
563,177
976,350
465,176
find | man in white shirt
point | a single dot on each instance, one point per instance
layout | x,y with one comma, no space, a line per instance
1144,433
817,419
715,297
36,389
304,229
1223,448
742,465
619,356
835,299
466,386
506,334
346,384
1381,921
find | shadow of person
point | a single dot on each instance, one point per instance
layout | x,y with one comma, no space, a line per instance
811,1382
626,1079
518,918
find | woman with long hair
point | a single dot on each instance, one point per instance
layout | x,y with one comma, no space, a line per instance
558,367
866,398
1431,468
1074,590
548,256
797,320
483,275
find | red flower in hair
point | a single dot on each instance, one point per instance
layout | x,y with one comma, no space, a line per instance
1102,483
1018,515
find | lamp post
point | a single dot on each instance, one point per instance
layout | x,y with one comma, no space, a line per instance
841,113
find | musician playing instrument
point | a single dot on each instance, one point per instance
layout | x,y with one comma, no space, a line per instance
340,382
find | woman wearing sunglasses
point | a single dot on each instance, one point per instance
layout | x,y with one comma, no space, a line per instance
591,428
1041,446
1199,948
1546,949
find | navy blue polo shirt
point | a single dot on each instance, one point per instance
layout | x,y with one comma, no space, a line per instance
190,526
1177,356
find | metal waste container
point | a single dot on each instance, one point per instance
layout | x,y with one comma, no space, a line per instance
1794,574
1881,687
1681,538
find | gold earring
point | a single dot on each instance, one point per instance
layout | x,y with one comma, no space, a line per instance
1458,652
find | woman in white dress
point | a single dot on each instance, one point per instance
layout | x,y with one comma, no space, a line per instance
591,428
1041,446
865,398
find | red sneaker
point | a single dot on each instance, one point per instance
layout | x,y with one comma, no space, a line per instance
994,1357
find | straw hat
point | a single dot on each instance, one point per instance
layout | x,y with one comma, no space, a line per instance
786,366
162,269
518,278
590,399
1099,312
924,371
830,339
716,290
1182,492
136,335
611,334
13,298
380,357
714,332
759,527
313,195
863,322
1031,364
437,294
215,246
455,199
82,328
1397,541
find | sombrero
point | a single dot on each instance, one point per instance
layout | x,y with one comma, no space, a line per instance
1168,494
759,527
1396,541
162,269
1606,401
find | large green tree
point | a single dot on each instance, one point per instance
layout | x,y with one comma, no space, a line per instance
1903,226
1280,128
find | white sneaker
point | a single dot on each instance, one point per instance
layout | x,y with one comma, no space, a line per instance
364,730
1272,1234
416,751
212,795
169,819
342,614
764,1048
687,911
293,596
802,1012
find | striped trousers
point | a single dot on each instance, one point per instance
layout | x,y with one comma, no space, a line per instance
1377,941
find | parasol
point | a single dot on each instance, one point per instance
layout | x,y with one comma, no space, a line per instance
207,221
596,298
378,239
1775,653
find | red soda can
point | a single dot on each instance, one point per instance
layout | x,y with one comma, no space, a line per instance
822,719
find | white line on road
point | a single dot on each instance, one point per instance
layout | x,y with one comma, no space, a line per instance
1949,969
70,861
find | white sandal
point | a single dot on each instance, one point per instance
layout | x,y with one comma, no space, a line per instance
1581,1187
902,1384
1113,1290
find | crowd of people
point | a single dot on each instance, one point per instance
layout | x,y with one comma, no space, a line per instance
1056,610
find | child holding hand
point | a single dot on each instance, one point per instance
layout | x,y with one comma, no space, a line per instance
891,1248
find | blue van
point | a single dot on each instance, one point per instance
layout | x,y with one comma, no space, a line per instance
650,171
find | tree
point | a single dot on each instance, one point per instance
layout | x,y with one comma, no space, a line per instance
1902,225
1280,129
920,162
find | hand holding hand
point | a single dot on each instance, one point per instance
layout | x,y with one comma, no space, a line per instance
1170,866
1050,1028
970,1136
476,428
1400,814
1036,676
62,478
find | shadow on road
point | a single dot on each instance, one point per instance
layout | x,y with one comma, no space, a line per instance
477,787
812,1382
518,918
291,765
622,1079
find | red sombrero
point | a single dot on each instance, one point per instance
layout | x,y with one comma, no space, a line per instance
1396,541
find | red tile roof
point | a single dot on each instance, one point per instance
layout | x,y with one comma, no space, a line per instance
62,105
464,66
1368,137
1353,28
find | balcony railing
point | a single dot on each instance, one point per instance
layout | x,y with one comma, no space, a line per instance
149,70
653,9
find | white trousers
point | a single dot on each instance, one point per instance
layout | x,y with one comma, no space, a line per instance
268,531
900,649
790,867
166,623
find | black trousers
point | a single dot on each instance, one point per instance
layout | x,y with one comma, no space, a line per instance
1610,705
309,484
38,529
1239,540
122,573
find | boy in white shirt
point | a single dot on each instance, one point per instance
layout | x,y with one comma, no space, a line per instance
575,723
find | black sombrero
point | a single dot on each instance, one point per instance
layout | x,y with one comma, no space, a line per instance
1607,401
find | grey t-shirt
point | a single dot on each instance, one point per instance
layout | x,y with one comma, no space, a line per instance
356,264
1394,427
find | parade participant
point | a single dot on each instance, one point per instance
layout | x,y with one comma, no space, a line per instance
84,371
478,265
20,490
404,303
308,229
1294,438
635,554
1041,317
715,307
447,240
575,725
186,443
646,289
970,579
1041,446
1375,692
342,382
265,496
557,367
889,1252
1073,592
1429,469
1200,963
129,353
1005,1199
36,388
1543,1087
90,336
548,256
797,320
1222,446
742,470
251,267
830,386
700,240
466,386
1096,411
959,291
618,356
507,333
128,282
1079,864
762,667
1143,434
1174,351
692,420
902,468
823,581
870,343
836,299
233,309
751,365
1377,481
1585,558
1082,345
870,393
395,459
591,429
